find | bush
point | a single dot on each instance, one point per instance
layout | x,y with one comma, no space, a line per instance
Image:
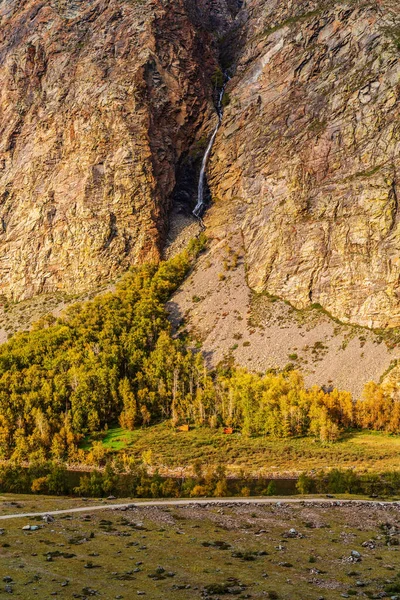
305,484
39,485
271,489
198,491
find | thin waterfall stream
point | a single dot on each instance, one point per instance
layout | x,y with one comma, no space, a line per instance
199,208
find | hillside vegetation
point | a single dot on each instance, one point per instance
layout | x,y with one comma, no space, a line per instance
115,359
173,452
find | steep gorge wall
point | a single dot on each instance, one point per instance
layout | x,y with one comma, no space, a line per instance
98,100
307,161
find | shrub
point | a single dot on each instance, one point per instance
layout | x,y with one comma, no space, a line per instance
271,489
305,484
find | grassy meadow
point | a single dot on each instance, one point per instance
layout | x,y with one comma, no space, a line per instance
172,450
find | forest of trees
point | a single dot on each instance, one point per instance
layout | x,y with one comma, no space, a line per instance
114,359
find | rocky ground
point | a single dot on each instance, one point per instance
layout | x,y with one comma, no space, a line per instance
217,307
280,551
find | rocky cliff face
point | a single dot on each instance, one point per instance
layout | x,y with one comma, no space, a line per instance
98,101
307,159
101,103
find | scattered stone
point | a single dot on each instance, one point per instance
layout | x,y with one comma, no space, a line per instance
30,528
246,556
231,587
90,592
293,534
90,565
48,519
218,544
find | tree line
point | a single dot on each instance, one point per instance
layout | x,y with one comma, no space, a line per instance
347,481
51,477
114,359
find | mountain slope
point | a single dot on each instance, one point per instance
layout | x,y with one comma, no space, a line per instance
105,110
98,102
304,182
307,159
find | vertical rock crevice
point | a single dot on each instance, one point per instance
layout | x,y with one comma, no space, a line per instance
99,105
220,21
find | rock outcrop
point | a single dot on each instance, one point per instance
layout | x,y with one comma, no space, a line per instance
101,103
308,157
98,101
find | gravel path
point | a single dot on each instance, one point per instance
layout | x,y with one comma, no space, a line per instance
203,502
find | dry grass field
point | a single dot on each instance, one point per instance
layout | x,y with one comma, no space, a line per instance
280,551
172,450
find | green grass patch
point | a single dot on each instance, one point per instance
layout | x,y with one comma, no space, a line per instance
372,451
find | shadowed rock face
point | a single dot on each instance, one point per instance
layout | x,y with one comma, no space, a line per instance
308,155
98,100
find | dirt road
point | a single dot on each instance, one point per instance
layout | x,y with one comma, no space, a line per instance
195,502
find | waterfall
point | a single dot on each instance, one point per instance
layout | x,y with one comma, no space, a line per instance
200,190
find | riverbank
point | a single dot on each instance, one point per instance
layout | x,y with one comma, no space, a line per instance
52,478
